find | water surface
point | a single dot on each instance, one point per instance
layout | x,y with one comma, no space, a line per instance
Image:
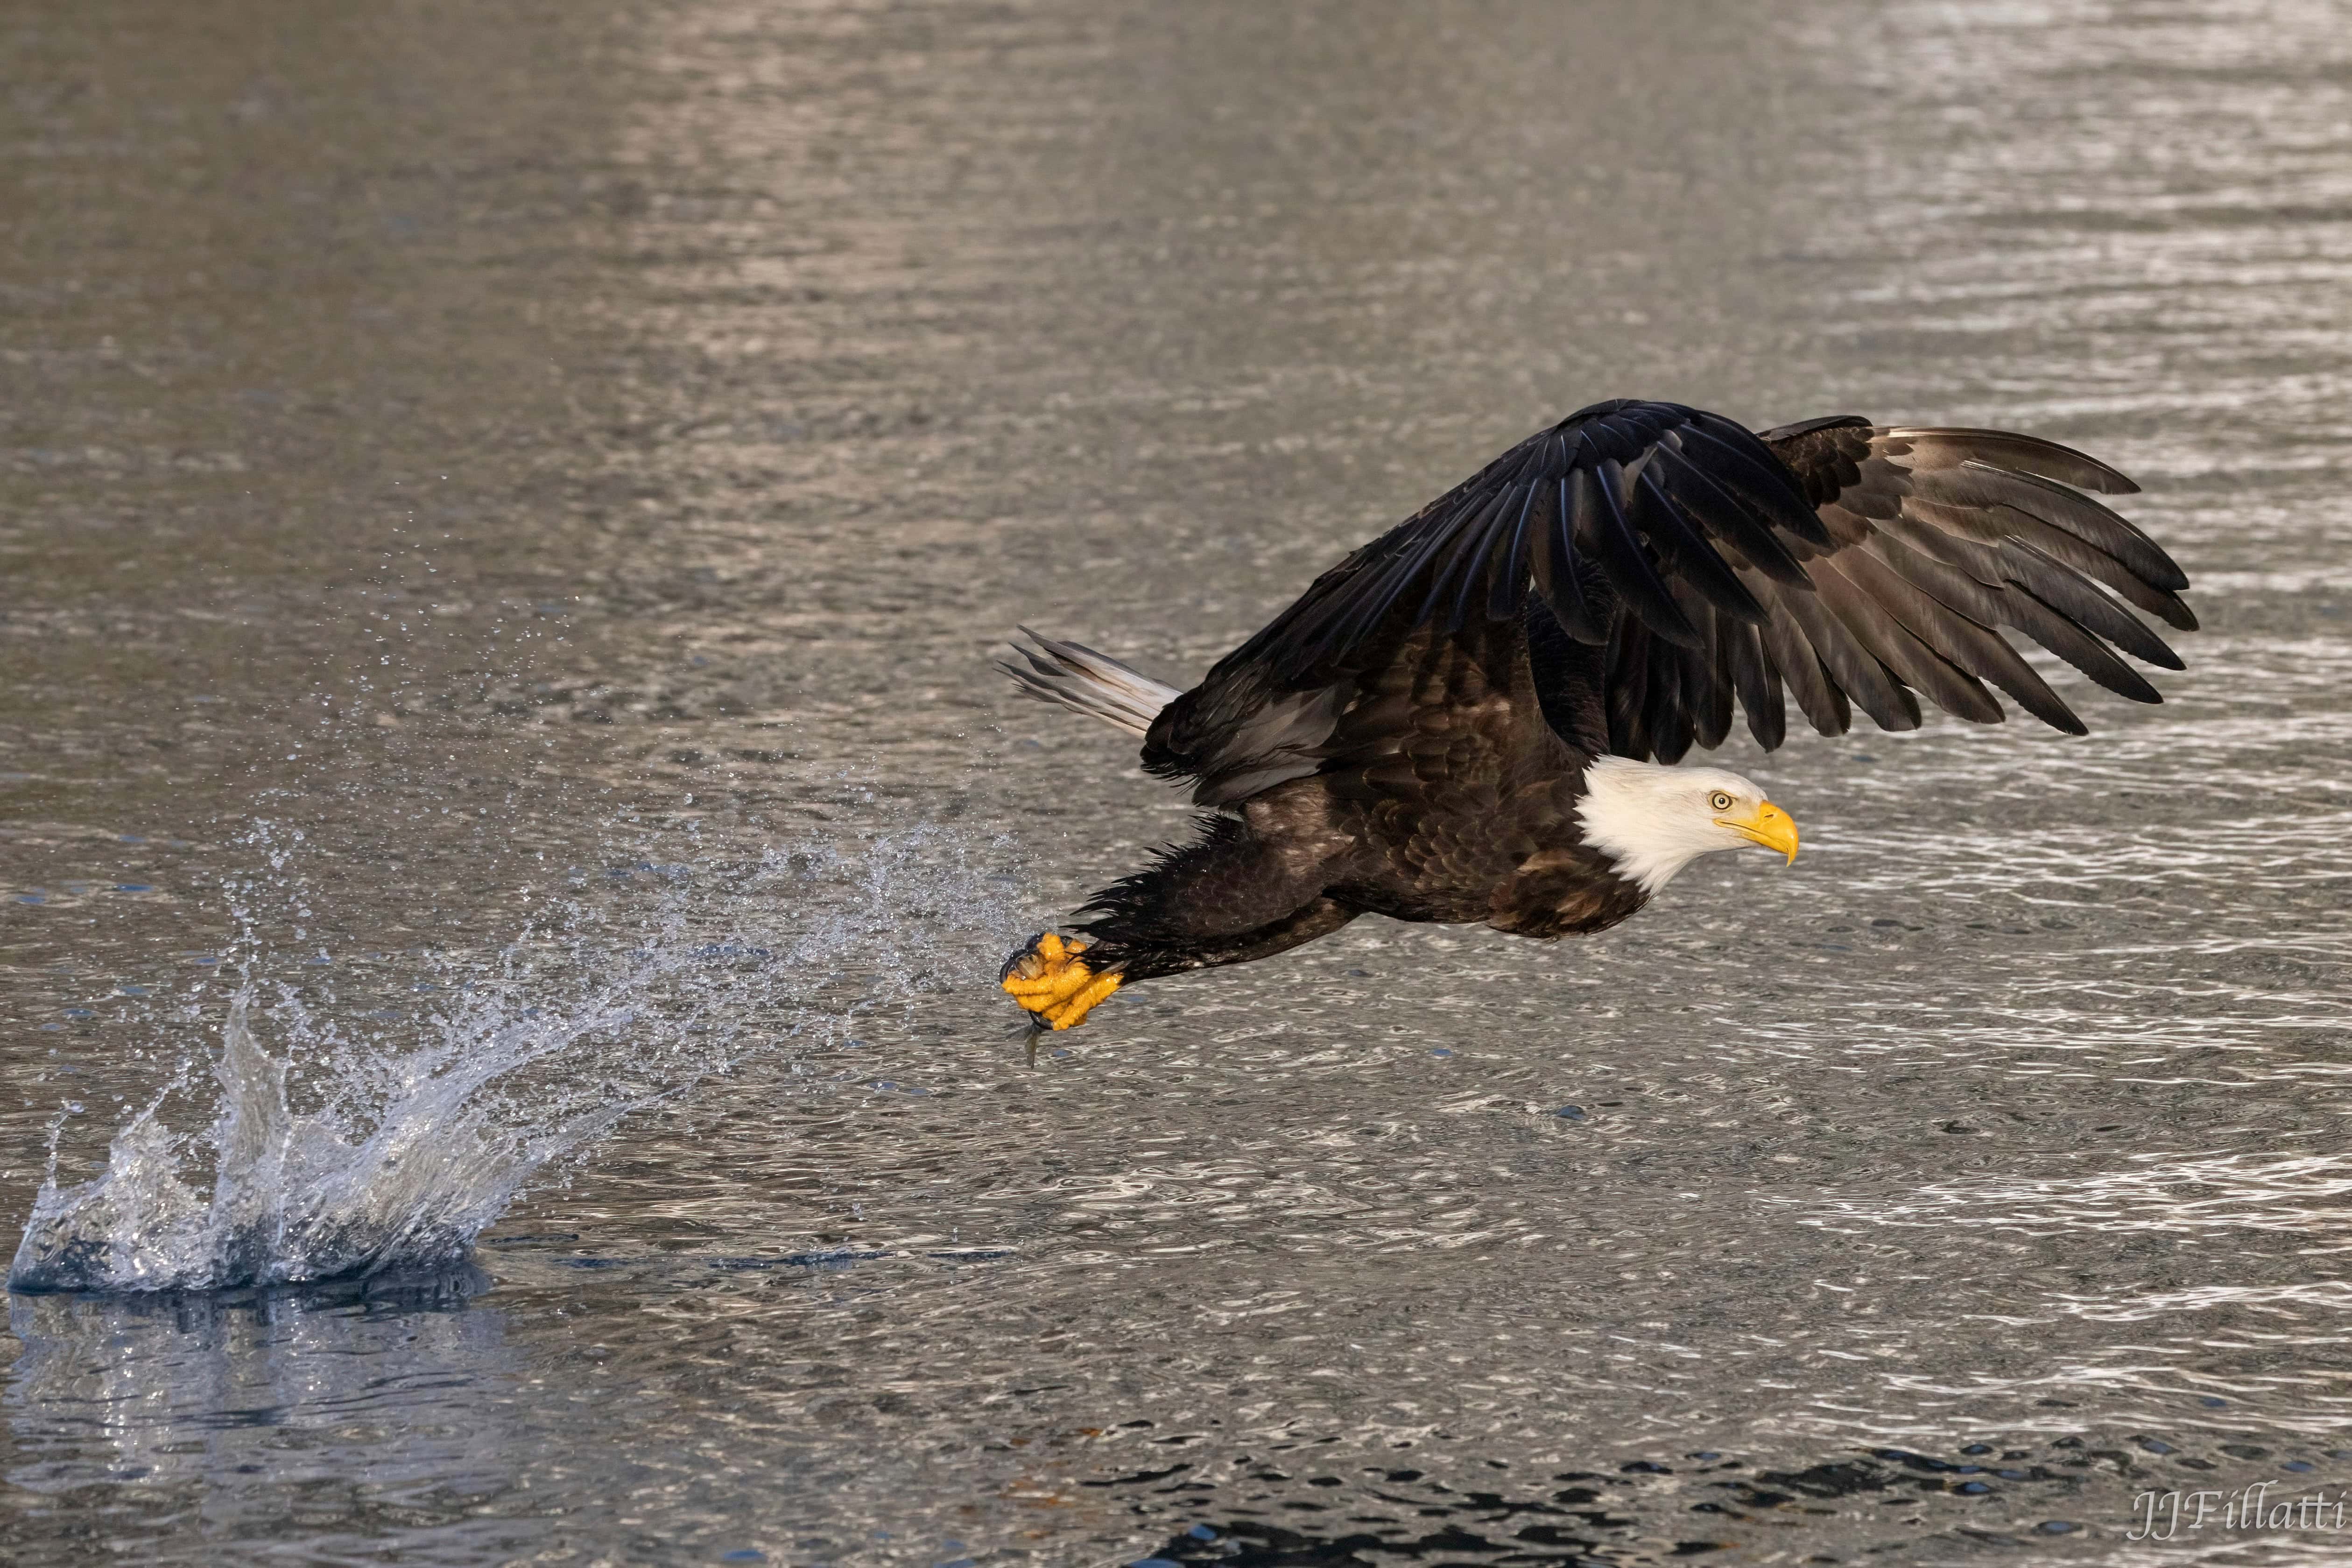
550,458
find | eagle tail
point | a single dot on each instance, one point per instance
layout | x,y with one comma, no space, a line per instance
1079,677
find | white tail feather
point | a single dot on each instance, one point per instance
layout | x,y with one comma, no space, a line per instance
1091,683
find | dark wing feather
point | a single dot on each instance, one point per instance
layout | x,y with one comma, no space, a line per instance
1841,563
1604,530
1756,681
1955,532
1573,508
1924,543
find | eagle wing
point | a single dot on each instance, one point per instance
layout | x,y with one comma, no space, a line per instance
1938,538
1845,563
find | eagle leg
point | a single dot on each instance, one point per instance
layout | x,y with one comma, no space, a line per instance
1318,918
1227,899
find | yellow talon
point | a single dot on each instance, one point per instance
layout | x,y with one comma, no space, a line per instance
1071,1013
1053,985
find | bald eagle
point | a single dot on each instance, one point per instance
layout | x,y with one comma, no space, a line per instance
1475,716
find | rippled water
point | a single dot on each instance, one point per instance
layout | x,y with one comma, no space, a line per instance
495,443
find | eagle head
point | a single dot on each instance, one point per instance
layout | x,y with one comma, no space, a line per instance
1651,821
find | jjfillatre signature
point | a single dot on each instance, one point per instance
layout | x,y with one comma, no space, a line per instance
2162,1515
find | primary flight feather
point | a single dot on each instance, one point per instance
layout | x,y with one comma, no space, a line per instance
1474,717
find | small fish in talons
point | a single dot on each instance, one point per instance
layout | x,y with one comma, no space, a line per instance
1048,980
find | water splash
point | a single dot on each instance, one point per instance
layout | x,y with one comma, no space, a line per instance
404,1143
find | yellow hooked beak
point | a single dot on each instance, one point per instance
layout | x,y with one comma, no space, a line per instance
1771,826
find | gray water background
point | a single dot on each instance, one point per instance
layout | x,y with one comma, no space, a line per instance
519,445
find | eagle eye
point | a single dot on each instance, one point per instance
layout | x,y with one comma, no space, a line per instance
1719,800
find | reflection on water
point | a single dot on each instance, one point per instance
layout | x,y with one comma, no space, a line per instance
2301,1195
184,1414
482,430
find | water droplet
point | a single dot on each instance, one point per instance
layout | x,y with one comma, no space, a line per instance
610,1013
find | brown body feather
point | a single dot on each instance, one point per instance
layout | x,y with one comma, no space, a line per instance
1439,792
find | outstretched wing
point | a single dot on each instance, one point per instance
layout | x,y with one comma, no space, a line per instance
1650,507
1936,540
1846,563
1623,503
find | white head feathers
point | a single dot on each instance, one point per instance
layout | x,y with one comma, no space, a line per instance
1652,821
